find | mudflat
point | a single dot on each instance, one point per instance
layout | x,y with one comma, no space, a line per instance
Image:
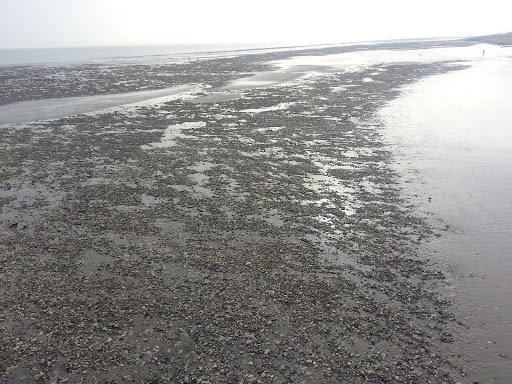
251,234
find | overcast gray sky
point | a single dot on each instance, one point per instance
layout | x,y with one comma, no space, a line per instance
65,23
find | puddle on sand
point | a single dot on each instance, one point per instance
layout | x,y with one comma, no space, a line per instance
266,79
34,110
277,107
172,133
356,61
325,184
453,146
216,97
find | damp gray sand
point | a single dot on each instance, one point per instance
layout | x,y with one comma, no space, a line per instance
454,140
260,238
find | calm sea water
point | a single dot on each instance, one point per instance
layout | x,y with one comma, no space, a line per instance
115,55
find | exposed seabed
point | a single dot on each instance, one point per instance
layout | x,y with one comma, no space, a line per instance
248,229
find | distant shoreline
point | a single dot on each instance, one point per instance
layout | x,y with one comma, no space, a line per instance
497,39
155,54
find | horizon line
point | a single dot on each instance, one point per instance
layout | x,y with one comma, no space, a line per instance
260,45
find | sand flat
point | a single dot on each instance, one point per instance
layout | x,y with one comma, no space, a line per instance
241,252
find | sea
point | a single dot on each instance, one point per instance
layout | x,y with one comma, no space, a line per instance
141,54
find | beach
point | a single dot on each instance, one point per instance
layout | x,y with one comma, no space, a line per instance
454,141
230,219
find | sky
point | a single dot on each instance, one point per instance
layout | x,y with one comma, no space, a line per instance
76,23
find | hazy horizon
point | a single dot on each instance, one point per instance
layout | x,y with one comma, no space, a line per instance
30,24
235,46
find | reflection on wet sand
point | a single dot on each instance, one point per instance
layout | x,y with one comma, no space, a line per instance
25,111
454,150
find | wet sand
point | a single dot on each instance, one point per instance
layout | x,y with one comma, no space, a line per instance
257,237
453,132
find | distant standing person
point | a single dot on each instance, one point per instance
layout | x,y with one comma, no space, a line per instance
483,53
